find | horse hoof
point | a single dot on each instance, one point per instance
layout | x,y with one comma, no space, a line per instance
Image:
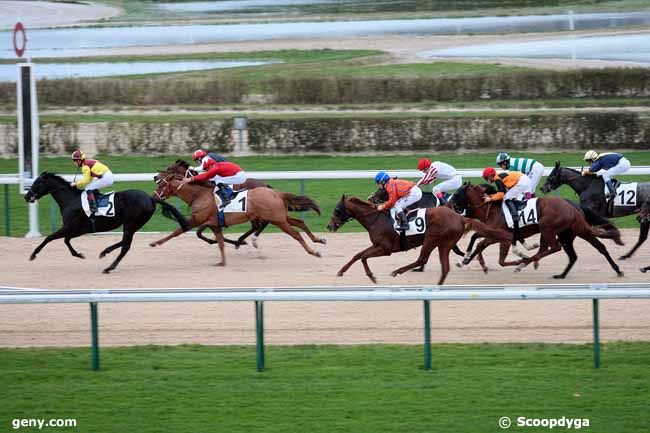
459,264
317,254
220,264
80,256
373,279
394,274
339,274
417,270
644,270
32,257
153,244
625,257
622,274
558,277
485,271
107,271
322,241
535,265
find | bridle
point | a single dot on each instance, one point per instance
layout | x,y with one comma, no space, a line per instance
164,186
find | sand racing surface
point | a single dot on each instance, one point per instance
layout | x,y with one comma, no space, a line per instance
280,262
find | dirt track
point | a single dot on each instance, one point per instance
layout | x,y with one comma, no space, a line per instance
279,262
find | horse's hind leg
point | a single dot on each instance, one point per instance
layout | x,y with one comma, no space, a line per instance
443,254
602,249
643,235
285,227
646,269
297,222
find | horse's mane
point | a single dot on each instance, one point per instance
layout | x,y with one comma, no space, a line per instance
361,202
570,169
56,178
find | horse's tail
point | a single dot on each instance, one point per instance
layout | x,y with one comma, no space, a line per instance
486,231
172,213
300,203
606,230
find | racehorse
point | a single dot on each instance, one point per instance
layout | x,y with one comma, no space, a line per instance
444,228
262,204
558,219
591,189
181,167
428,200
133,208
644,217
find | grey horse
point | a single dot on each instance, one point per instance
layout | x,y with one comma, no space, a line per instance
591,190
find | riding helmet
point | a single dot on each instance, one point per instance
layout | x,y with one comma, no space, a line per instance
424,164
382,177
199,154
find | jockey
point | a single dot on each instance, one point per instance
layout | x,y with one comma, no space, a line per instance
201,157
510,185
95,176
446,173
531,168
612,163
401,194
223,174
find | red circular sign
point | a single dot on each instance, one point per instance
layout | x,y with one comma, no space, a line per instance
20,29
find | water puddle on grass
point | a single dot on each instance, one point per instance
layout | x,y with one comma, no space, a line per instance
106,69
629,48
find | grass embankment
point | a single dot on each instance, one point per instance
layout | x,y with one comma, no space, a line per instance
377,388
325,192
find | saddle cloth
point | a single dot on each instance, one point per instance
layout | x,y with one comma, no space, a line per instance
105,204
626,194
527,215
238,203
416,219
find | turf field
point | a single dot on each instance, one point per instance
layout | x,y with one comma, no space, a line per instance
373,388
325,192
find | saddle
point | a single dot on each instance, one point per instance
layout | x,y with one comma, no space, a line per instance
519,204
105,204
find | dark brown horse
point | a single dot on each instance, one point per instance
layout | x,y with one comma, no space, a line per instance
444,228
262,204
560,222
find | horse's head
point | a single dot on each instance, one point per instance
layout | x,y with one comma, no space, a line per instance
553,180
340,216
379,196
179,167
167,184
45,184
469,196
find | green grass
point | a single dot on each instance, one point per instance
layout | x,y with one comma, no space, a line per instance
373,388
325,192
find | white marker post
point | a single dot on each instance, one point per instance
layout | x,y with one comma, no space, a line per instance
28,128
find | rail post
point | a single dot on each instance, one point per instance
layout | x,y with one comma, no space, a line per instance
7,212
596,334
95,335
427,335
302,192
259,334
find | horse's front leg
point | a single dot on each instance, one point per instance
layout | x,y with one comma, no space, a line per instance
60,233
372,251
218,234
74,252
643,235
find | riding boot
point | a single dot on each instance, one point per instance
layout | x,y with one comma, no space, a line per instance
442,198
224,194
92,201
401,219
611,188
516,236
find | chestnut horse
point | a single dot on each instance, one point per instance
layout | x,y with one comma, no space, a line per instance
444,228
558,218
262,204
181,167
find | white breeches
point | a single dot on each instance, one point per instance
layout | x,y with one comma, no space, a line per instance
100,182
240,177
622,166
448,185
414,195
523,186
535,175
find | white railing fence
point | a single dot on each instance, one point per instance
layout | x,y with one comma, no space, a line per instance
426,294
